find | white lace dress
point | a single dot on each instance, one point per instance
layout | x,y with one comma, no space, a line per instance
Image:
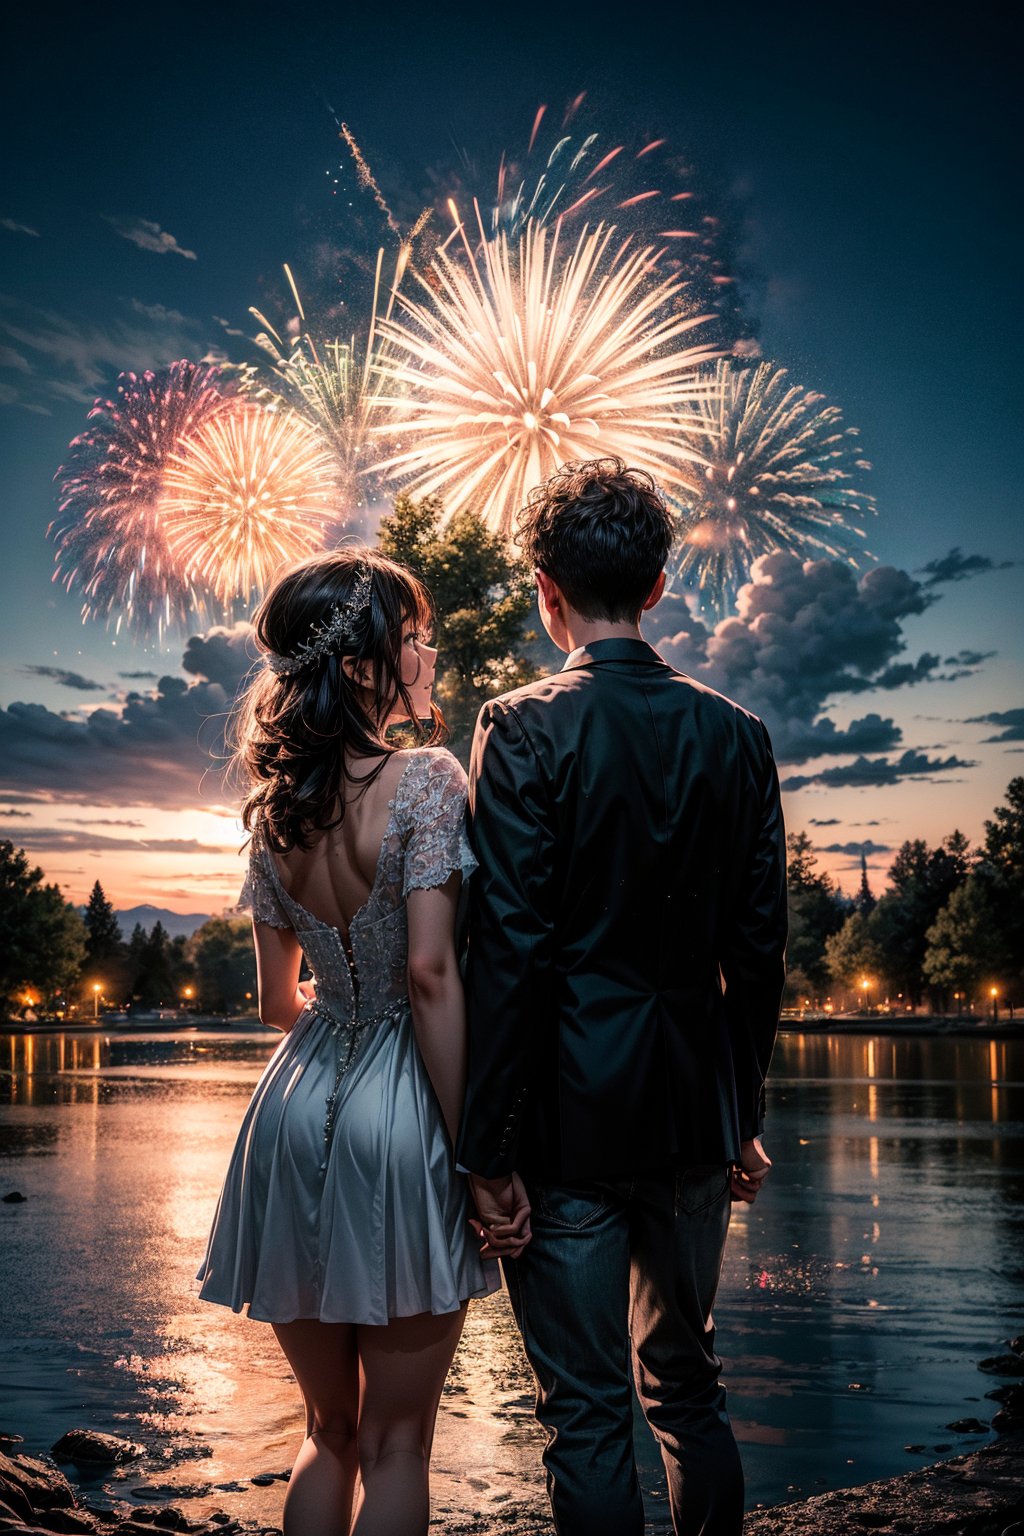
341,1200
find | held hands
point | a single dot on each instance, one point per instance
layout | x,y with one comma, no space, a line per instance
750,1172
503,1210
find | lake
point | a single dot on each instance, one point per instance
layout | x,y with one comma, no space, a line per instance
882,1262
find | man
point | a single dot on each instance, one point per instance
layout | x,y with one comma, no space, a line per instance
626,961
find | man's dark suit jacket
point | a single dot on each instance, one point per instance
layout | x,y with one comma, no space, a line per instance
627,923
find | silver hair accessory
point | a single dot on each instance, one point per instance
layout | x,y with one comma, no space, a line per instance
336,632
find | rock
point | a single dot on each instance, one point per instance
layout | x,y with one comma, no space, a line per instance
43,1486
89,1448
132,1527
170,1490
15,1198
9,1441
1017,1344
69,1520
1008,1421
968,1427
263,1479
167,1517
915,1450
13,1501
973,1495
1011,1396
1003,1365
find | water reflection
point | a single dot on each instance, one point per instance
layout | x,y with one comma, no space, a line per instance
859,1292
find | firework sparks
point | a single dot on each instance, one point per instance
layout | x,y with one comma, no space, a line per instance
781,474
367,178
335,385
249,490
522,358
109,529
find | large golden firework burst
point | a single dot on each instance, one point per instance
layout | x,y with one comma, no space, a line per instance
521,357
247,492
781,474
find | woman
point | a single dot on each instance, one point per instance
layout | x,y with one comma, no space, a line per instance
342,1221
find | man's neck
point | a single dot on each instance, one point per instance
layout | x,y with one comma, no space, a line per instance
581,633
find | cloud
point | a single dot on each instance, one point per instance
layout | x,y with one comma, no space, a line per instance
54,840
159,312
221,655
12,813
149,237
804,634
139,676
99,821
229,328
828,821
14,361
880,771
18,229
956,566
1010,721
75,359
67,679
868,849
968,658
162,748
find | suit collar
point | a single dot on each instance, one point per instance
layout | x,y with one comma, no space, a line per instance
598,652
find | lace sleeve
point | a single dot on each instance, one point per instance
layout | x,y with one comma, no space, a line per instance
434,822
259,894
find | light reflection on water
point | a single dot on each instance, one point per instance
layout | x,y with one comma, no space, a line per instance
881,1263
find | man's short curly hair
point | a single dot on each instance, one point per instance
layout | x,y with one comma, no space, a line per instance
602,532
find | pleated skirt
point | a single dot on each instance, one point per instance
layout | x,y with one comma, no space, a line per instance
367,1225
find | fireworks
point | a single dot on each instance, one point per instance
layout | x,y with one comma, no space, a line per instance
110,535
522,358
781,474
335,385
246,492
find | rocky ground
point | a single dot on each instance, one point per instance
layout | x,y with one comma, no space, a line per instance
981,1494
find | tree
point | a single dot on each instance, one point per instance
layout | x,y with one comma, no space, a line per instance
106,962
44,936
852,955
1002,869
225,963
817,908
154,982
923,880
483,599
865,898
962,943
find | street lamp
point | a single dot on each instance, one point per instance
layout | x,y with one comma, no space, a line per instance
865,987
96,999
993,992
187,995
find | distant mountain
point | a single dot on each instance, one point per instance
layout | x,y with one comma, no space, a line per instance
174,922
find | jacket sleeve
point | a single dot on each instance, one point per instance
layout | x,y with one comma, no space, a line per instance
753,959
510,936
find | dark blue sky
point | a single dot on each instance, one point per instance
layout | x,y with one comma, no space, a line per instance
869,149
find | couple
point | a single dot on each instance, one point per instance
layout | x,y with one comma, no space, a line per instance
585,1108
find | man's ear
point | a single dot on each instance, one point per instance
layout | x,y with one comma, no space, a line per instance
657,593
550,591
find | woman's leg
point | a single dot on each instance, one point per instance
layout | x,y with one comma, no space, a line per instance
326,1366
402,1369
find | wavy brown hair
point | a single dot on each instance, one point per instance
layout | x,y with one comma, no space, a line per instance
292,734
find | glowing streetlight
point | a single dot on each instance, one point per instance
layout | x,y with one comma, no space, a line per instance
96,999
993,993
187,995
865,987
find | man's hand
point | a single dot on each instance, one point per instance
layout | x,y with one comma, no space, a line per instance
750,1172
503,1210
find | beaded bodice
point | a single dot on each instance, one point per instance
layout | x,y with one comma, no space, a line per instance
425,842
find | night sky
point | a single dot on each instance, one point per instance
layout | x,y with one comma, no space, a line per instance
162,164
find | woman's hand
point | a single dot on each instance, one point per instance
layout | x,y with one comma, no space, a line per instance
503,1215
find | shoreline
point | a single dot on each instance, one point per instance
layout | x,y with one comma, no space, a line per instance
977,1493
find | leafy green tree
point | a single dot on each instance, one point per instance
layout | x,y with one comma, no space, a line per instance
154,984
963,943
923,879
817,909
44,936
222,955
866,900
106,962
852,955
1002,869
484,602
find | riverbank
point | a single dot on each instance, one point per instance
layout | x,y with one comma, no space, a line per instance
979,1494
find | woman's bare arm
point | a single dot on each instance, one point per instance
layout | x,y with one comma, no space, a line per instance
436,996
278,963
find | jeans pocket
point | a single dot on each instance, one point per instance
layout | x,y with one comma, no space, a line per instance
570,1206
698,1189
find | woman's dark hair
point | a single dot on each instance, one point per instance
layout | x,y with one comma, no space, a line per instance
602,532
291,733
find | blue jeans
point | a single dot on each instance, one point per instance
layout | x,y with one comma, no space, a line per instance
623,1274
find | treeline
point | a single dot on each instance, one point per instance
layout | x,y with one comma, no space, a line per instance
57,958
948,931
